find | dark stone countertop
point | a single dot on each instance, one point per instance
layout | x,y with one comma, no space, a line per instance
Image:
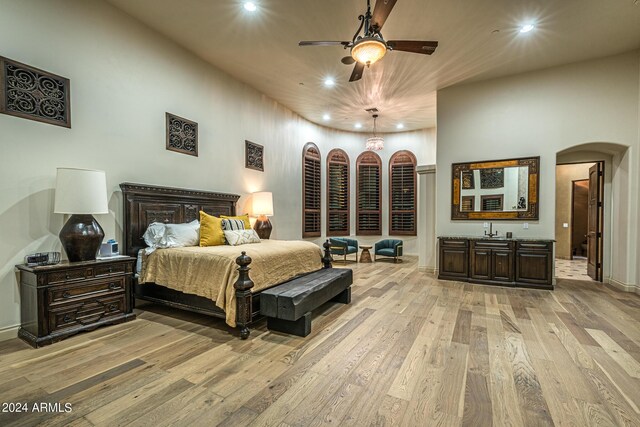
499,238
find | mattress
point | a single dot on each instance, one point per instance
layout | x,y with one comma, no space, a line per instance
210,272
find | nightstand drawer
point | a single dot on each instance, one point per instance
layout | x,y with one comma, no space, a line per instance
85,312
66,293
109,270
69,275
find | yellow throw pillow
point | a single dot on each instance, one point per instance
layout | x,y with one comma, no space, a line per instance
211,233
245,218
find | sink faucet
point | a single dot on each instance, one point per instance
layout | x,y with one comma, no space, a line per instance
491,233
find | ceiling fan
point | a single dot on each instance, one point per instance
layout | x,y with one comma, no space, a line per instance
369,47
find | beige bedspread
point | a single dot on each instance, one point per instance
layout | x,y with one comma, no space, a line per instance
211,271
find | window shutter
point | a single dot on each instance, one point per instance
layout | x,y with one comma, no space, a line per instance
311,191
338,193
402,194
369,194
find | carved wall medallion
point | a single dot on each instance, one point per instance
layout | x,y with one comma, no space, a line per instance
182,135
31,93
253,156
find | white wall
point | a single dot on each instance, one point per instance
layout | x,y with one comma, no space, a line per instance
124,77
540,114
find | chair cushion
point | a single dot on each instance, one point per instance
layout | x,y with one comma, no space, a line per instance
386,252
352,249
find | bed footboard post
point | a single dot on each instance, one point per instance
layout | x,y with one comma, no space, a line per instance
326,259
243,295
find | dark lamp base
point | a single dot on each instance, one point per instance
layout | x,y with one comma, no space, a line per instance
81,237
263,227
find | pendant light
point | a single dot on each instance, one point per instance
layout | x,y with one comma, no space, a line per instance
374,143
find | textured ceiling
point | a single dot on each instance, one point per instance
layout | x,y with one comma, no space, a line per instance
478,40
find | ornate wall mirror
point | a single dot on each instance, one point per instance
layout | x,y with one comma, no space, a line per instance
499,189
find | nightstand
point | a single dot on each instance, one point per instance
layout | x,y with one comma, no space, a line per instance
60,300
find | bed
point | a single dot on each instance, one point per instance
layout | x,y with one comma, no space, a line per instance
144,204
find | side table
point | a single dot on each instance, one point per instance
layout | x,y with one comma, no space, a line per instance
365,256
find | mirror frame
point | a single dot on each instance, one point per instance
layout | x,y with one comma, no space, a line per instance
534,185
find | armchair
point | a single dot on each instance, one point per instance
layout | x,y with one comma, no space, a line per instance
388,247
344,247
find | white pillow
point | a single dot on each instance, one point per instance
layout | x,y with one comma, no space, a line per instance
241,237
179,235
160,235
154,236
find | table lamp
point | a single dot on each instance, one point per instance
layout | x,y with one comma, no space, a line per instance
81,193
263,208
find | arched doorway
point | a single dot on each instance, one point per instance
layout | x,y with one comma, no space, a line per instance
602,166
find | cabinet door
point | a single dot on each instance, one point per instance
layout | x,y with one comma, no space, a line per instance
502,265
454,262
534,267
481,264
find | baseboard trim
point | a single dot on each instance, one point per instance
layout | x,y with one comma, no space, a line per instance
625,287
9,332
430,270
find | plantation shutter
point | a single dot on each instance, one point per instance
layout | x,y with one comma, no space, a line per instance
402,194
337,193
369,195
311,190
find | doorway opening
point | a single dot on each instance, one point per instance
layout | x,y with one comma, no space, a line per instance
579,220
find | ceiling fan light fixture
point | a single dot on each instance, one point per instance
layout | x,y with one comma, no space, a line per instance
368,50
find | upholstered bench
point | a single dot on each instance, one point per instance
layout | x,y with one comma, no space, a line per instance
288,306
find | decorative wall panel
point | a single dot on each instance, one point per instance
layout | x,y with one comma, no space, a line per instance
253,156
182,135
30,93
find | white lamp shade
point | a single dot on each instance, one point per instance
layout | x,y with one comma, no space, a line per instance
81,191
263,203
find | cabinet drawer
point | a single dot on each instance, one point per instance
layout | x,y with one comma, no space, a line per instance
454,243
66,293
85,312
535,246
492,244
109,270
69,275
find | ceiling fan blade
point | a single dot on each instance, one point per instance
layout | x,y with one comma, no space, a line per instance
323,43
413,46
357,72
381,12
348,60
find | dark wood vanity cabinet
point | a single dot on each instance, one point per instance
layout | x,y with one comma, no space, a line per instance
454,258
507,262
491,260
534,263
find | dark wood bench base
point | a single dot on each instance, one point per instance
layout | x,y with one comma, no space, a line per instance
302,326
288,306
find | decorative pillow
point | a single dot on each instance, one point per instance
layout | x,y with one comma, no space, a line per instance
210,230
178,235
245,218
154,236
241,237
233,224
159,235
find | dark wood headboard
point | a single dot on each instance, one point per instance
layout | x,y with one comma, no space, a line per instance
144,204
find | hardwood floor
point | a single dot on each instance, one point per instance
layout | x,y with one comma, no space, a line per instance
409,350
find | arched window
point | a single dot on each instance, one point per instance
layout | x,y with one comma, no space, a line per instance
402,194
337,193
311,190
369,194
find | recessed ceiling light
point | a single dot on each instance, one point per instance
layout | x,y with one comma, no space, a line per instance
358,125
251,7
326,117
400,126
329,82
526,28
